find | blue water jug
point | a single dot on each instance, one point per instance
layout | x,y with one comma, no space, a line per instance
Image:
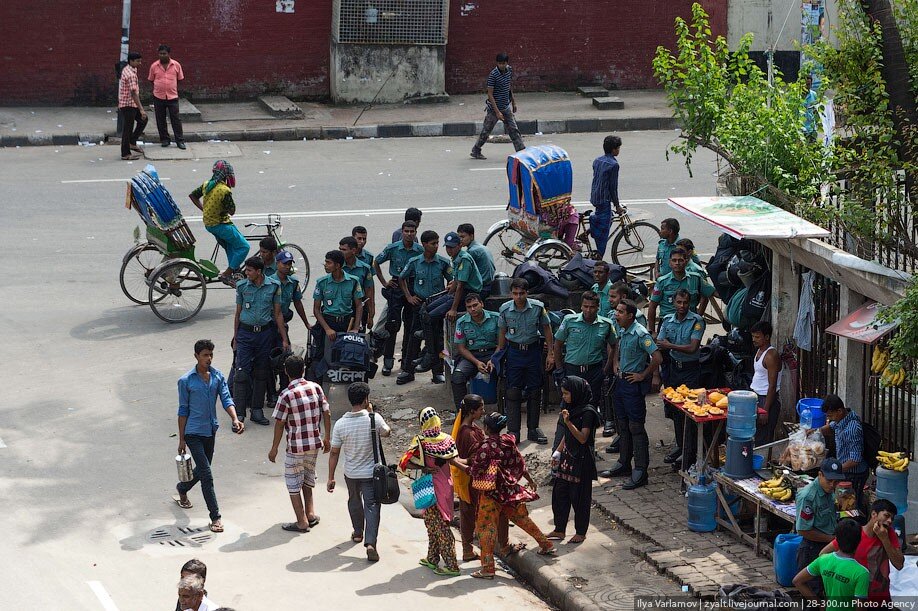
785,558
702,507
741,414
893,486
810,412
486,386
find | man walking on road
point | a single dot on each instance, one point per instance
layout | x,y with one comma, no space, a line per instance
165,75
500,106
351,438
197,425
298,410
604,192
131,109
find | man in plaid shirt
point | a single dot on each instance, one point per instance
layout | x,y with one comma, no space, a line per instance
130,108
298,410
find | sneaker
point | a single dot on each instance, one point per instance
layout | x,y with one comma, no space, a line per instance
439,378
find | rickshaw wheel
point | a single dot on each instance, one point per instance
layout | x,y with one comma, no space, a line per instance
551,257
177,290
503,244
635,247
135,272
300,264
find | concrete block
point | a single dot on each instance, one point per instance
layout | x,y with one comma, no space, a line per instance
309,133
552,126
593,91
14,141
335,133
91,137
608,103
256,134
395,130
459,129
40,139
283,134
280,106
188,111
427,129
65,139
365,131
528,127
498,129
582,125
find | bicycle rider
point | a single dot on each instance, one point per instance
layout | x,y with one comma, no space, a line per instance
604,192
218,207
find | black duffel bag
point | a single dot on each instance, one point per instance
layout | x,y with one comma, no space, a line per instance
385,478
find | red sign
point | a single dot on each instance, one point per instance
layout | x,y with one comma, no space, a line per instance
862,325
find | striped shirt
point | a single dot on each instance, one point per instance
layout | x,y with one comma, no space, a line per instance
500,81
351,433
849,441
300,407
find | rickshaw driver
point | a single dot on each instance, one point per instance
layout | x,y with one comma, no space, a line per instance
604,192
258,317
520,321
218,208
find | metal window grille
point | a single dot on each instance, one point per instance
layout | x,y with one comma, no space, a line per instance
819,366
390,22
890,409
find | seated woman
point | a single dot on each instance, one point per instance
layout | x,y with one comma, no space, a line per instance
218,207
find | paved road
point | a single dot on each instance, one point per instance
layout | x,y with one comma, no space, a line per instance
87,420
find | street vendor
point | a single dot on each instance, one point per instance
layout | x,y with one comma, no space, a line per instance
218,207
475,340
846,428
816,514
337,303
766,381
664,290
680,340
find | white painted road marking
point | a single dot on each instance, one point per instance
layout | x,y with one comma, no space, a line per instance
2,445
395,211
99,590
486,169
71,182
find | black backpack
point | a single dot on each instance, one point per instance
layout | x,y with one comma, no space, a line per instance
540,280
757,299
577,274
872,443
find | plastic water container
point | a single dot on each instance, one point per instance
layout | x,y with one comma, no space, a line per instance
785,558
741,414
893,486
702,507
739,458
486,386
810,412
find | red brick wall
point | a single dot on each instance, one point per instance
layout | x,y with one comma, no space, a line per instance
560,44
64,51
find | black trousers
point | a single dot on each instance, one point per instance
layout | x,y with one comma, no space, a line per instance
567,495
160,107
594,377
685,430
130,131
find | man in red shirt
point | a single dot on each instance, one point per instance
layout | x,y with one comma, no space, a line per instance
165,75
879,547
130,108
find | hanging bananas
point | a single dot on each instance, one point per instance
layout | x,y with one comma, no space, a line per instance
894,461
880,359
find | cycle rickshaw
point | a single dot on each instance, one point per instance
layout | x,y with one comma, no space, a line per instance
162,271
542,225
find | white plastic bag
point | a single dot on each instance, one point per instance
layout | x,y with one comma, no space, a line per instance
903,585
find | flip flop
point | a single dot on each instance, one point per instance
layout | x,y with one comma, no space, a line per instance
555,536
482,575
186,504
471,558
294,528
446,572
428,564
513,548
313,522
217,528
547,552
575,540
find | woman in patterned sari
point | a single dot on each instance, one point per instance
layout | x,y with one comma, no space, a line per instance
496,468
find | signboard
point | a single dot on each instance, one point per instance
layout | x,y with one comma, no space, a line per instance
747,217
862,326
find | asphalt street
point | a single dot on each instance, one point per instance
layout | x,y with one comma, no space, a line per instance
88,416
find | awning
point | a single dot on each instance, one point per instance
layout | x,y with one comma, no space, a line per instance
747,217
862,326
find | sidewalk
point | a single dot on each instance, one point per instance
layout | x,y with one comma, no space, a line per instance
556,112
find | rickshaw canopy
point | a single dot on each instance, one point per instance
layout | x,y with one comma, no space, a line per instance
539,176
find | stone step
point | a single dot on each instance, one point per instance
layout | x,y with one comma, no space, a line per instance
188,111
280,106
593,91
608,103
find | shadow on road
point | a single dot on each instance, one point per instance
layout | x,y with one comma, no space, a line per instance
137,321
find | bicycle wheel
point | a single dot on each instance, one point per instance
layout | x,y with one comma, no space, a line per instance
300,264
551,256
138,264
179,288
508,248
635,247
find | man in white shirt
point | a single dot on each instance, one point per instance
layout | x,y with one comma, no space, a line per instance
191,595
351,438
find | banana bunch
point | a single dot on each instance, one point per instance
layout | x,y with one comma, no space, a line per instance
777,489
880,359
894,461
892,378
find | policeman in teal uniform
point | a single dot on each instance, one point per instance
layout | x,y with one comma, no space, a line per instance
428,275
291,295
636,358
817,514
524,331
397,254
364,273
267,250
475,339
618,292
337,303
257,319
664,290
669,235
359,233
680,341
484,261
602,286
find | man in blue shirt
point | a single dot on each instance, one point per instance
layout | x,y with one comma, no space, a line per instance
500,106
845,427
604,192
197,425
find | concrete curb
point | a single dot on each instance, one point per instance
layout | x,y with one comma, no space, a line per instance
394,130
542,576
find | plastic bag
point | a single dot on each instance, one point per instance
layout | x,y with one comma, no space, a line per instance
804,452
903,584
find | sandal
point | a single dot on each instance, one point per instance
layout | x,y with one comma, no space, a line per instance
428,564
513,548
577,539
216,527
313,522
356,538
186,504
446,572
471,558
555,536
547,552
294,528
482,575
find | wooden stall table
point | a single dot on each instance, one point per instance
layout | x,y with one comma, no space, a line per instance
704,455
748,489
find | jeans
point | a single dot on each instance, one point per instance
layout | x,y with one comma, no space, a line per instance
463,371
631,413
232,241
130,132
510,127
600,223
160,107
363,508
202,452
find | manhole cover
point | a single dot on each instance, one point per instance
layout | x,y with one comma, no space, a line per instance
180,536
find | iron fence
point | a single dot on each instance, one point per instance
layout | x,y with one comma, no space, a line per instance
819,366
890,409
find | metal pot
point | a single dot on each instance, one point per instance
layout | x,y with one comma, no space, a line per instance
501,284
185,469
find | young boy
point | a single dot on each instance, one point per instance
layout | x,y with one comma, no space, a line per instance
843,578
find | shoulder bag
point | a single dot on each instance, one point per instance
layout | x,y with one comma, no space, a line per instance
385,479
